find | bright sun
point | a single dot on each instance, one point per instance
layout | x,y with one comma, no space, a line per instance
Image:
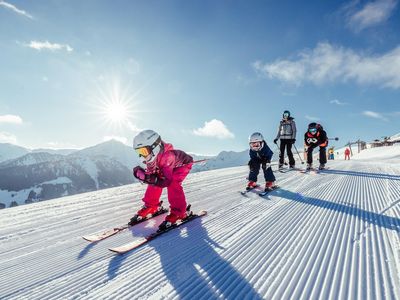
116,112
116,104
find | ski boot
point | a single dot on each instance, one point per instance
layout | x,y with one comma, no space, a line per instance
291,167
280,167
172,218
269,186
251,185
321,167
146,213
309,167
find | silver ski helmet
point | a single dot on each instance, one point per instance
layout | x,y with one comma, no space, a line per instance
256,141
147,144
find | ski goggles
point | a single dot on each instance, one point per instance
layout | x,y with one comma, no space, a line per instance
255,144
286,115
143,151
312,130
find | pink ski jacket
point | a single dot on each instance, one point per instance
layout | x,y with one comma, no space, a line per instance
166,162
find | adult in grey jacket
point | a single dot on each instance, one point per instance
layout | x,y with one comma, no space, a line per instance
287,136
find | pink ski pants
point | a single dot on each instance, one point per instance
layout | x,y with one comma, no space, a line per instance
176,196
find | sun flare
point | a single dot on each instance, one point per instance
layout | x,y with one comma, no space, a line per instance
116,104
116,112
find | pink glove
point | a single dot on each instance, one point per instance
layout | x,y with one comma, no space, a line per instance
139,173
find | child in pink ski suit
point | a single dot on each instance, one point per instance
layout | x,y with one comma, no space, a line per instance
166,167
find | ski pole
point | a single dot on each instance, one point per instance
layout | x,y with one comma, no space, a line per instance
199,161
302,162
334,139
193,162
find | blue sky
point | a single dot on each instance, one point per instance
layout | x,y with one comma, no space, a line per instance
204,74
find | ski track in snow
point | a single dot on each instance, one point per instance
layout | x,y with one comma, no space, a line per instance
333,235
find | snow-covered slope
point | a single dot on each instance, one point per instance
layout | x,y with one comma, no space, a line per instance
55,151
225,159
389,153
43,176
31,159
9,151
395,137
334,235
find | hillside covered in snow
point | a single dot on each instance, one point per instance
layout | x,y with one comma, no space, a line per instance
332,235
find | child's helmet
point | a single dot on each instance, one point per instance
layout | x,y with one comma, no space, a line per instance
256,141
147,144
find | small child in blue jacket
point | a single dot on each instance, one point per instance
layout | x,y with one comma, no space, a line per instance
260,155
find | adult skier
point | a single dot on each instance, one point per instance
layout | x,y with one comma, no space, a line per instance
347,154
165,168
287,136
260,155
314,137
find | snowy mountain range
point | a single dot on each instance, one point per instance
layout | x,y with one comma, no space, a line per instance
42,176
10,151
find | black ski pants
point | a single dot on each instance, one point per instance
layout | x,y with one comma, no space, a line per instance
288,145
322,154
254,165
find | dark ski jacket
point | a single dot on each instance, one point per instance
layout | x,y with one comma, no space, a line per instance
318,139
264,154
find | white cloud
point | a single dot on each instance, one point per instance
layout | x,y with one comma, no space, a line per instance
371,14
214,128
337,102
132,127
49,46
375,115
12,119
15,9
328,63
121,139
6,137
311,118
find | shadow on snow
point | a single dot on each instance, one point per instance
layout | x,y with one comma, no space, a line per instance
193,267
362,174
373,218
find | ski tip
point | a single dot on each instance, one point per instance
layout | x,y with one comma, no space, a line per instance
90,239
116,251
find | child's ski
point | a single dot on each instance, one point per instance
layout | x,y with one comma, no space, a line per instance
135,244
95,237
266,192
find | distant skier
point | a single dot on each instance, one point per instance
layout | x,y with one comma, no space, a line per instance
314,137
260,155
347,154
165,167
287,136
331,154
